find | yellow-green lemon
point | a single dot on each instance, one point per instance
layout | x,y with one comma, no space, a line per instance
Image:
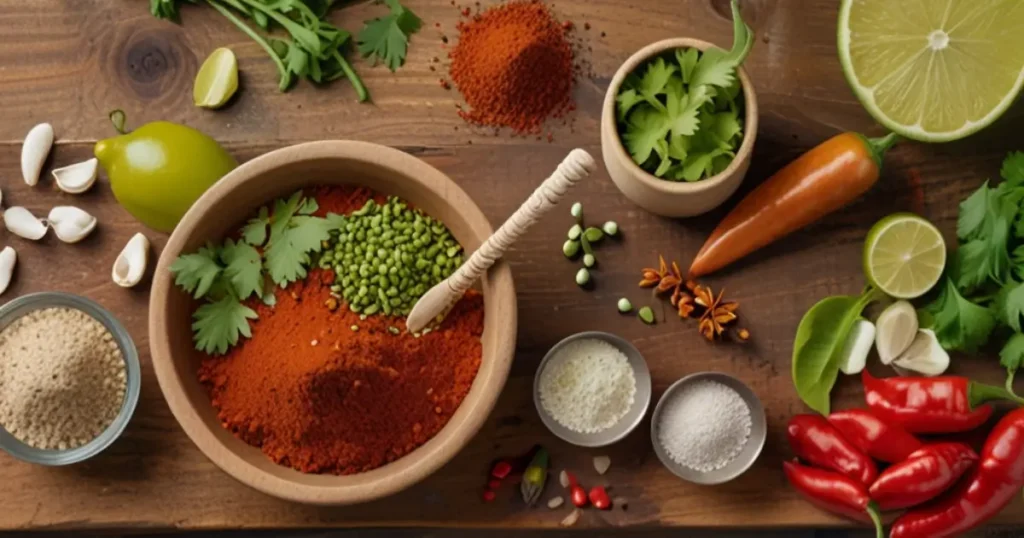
160,169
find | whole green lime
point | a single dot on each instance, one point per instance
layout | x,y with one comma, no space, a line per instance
160,169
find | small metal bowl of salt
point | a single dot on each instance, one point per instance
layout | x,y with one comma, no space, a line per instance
592,389
708,428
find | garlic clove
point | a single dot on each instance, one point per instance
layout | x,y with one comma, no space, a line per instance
130,265
70,223
857,347
34,150
22,223
924,356
8,259
78,177
896,328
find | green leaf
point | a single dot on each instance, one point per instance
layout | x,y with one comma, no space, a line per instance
1013,169
255,231
625,101
1010,304
742,38
386,39
818,346
645,127
1012,354
974,213
656,77
217,326
661,148
243,268
725,127
687,59
196,273
284,210
713,70
697,165
1017,257
959,324
287,254
308,206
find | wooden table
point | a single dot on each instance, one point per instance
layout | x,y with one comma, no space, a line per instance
69,63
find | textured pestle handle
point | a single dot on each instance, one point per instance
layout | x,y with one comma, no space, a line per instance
576,166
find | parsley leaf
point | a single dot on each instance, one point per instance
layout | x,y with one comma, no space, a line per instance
656,78
1013,169
287,254
386,39
687,59
255,231
974,213
243,268
646,126
959,324
197,272
1012,354
217,325
627,100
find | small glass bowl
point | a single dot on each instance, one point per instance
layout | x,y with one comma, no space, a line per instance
25,304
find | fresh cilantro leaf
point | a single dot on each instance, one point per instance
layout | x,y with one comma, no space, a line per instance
217,325
386,39
625,101
661,148
243,268
308,206
1012,354
643,130
287,254
719,163
284,210
682,111
1010,304
1017,258
959,324
196,273
655,78
696,165
974,213
687,59
725,127
712,70
742,38
678,147
1013,169
255,231
987,257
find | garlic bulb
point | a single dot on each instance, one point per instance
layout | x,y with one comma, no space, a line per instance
8,258
78,177
22,223
924,356
34,150
130,265
896,328
70,223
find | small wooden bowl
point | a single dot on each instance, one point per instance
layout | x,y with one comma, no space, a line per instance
222,209
665,197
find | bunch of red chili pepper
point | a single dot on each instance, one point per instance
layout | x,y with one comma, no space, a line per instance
842,476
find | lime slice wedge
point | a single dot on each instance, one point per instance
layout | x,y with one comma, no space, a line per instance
904,255
933,70
217,79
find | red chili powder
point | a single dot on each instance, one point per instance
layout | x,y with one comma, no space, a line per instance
513,65
319,397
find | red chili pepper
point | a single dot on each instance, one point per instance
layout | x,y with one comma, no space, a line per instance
578,495
815,440
501,469
599,498
944,404
993,483
834,493
873,436
922,476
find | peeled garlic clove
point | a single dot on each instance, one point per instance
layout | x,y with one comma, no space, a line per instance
70,223
8,258
34,150
78,177
924,356
857,347
22,223
897,327
130,265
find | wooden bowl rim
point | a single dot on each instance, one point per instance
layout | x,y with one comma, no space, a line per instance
424,460
665,186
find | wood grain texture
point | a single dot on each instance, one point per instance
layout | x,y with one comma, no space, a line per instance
70,61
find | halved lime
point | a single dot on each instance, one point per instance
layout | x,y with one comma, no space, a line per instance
933,70
904,255
216,80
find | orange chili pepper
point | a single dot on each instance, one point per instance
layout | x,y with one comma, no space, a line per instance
819,182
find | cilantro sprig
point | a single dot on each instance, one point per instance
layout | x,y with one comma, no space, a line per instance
679,115
274,249
982,295
315,48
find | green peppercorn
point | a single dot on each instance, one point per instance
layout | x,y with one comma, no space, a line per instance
646,315
582,276
611,228
624,305
589,260
577,211
593,234
570,248
574,232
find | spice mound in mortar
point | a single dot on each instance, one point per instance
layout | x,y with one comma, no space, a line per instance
330,381
587,386
62,378
513,65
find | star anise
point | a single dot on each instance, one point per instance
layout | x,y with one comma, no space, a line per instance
718,314
685,306
652,277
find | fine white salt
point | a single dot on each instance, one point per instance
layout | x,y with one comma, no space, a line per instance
704,425
587,386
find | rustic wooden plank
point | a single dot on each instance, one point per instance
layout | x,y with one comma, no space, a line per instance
70,62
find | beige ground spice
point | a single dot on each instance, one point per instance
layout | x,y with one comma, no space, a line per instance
62,378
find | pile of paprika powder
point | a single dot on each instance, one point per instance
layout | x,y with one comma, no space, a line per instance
514,67
323,390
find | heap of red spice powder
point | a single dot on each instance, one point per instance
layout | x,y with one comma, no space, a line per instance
514,67
319,397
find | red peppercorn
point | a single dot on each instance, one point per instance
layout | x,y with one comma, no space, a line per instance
489,496
578,496
599,498
501,469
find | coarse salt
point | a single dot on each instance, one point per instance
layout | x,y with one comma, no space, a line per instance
587,386
704,426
